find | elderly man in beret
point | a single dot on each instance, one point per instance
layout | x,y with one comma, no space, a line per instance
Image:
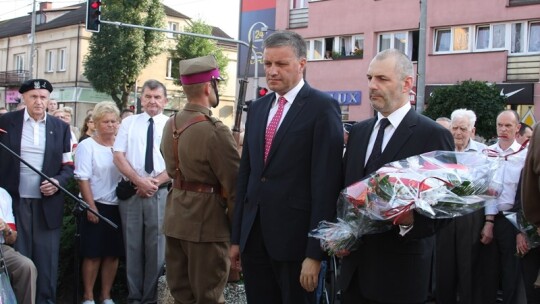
43,141
201,157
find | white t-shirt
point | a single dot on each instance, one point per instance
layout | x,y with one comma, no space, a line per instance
94,162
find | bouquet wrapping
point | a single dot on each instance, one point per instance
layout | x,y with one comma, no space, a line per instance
438,184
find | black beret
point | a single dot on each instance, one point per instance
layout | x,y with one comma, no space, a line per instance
34,84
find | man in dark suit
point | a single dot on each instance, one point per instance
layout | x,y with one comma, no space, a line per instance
44,142
287,183
394,266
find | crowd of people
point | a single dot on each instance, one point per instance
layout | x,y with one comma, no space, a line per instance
183,196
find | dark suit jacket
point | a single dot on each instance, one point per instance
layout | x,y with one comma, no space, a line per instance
57,143
299,185
393,268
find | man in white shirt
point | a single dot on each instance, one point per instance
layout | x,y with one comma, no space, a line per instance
498,234
137,156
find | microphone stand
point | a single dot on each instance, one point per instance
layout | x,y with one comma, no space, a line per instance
78,209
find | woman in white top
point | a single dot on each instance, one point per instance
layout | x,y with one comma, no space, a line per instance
101,245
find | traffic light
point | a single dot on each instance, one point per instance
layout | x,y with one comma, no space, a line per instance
93,15
261,92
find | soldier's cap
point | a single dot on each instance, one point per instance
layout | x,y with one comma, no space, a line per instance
35,84
199,70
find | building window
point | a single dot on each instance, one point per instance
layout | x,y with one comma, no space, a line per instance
172,71
461,39
50,61
169,68
393,41
315,49
62,60
499,36
490,37
482,37
298,4
407,42
534,37
516,37
455,39
19,62
173,26
442,40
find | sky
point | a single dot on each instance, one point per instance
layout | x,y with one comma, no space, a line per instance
221,13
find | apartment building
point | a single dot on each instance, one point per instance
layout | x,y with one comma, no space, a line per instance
497,41
61,43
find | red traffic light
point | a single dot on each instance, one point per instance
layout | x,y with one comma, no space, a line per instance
261,92
95,4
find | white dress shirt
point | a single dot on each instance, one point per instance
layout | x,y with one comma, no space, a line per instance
290,96
508,174
131,139
395,119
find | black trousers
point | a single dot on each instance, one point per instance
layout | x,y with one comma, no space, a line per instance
268,281
500,263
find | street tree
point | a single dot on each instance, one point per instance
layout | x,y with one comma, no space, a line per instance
117,55
481,97
188,47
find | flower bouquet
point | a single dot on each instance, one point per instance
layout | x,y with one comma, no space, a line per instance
438,184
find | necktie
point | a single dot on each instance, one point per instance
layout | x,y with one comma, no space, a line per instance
377,147
272,127
148,158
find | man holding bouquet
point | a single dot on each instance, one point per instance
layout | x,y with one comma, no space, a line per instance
394,266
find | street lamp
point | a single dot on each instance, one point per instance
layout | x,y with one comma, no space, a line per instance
257,33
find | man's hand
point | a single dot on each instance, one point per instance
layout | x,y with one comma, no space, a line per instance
487,233
47,188
522,247
309,275
234,255
147,187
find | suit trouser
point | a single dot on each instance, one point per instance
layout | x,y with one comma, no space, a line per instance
40,244
269,281
499,260
142,220
197,271
22,273
457,257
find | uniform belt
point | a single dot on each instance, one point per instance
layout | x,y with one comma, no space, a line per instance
196,187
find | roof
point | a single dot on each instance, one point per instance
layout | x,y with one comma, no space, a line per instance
76,14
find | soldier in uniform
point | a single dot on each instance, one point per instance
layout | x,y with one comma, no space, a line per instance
200,155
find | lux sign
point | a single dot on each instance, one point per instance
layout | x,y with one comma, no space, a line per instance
353,98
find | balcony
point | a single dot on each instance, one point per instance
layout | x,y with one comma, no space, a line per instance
523,68
13,78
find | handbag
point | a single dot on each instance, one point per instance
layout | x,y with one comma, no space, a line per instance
124,190
7,296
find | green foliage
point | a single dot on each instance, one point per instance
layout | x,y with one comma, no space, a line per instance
484,99
117,55
190,47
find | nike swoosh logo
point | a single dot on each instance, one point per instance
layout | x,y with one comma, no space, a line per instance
511,93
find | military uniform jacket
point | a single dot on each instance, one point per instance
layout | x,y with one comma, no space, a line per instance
206,154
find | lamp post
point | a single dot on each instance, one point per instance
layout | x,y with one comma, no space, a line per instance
254,34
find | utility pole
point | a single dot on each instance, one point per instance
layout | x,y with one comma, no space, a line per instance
33,39
421,83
